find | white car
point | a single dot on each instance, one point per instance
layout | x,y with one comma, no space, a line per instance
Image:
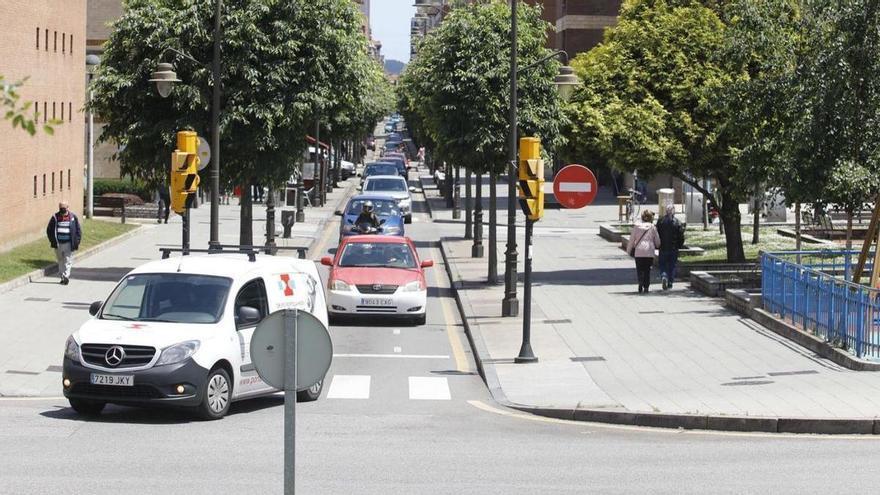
177,332
348,169
396,187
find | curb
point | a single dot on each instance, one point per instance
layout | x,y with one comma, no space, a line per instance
826,426
425,194
53,268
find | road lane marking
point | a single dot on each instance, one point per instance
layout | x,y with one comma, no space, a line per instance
428,388
349,387
397,349
396,331
404,356
461,362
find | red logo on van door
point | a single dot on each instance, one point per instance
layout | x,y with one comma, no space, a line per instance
285,285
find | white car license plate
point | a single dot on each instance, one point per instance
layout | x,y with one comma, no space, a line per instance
116,380
375,301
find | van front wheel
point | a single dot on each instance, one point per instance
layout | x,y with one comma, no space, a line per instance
216,399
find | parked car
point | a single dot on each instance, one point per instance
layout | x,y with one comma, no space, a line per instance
174,332
348,169
371,143
378,168
372,275
384,206
396,187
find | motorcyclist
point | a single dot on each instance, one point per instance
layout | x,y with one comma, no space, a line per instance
367,217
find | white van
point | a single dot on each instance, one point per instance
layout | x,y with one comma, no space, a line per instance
177,332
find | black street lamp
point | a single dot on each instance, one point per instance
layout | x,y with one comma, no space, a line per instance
165,77
565,83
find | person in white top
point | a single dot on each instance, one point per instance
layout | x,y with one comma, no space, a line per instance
643,241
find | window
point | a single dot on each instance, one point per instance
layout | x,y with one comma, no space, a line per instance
35,186
71,43
55,47
62,110
53,182
45,111
169,297
36,110
68,179
44,184
53,110
46,40
253,294
69,111
38,38
63,45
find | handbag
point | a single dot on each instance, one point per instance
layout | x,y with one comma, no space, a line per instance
632,250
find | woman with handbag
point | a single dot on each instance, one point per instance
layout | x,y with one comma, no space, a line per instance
643,240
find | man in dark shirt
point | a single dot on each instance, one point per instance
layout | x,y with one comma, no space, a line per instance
671,240
64,233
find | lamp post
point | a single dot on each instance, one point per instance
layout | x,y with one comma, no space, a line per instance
92,62
164,77
565,83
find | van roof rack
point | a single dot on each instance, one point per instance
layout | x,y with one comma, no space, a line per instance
250,251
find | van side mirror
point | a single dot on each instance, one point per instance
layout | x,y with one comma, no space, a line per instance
95,307
427,263
247,315
327,261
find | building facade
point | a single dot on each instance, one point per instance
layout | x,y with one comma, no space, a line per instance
42,42
580,24
101,14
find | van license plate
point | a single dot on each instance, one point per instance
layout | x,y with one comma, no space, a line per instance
115,380
376,302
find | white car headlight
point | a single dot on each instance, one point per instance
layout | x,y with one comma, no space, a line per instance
414,286
339,285
71,349
178,352
404,202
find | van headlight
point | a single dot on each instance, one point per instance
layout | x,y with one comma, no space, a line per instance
71,349
178,352
414,286
405,203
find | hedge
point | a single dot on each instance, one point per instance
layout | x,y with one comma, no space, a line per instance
142,189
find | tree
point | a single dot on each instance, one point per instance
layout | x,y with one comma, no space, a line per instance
456,91
282,62
17,113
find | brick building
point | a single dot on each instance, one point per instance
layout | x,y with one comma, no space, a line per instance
43,41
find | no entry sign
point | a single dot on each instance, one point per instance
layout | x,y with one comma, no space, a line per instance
575,186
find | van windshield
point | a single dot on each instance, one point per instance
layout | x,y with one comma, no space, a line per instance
168,297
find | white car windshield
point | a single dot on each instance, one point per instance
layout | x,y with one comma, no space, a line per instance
382,207
168,297
379,254
392,185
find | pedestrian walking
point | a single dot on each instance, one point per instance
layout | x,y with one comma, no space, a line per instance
64,233
643,240
671,233
164,203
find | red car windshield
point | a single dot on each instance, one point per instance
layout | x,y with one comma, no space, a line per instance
378,254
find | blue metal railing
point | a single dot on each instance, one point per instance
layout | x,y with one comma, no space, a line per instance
813,296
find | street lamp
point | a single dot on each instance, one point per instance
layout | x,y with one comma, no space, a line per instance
164,77
92,62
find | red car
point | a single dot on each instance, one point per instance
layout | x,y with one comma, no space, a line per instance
377,275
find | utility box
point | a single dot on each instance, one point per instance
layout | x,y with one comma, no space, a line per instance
665,197
693,207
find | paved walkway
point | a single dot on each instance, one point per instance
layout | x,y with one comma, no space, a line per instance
38,317
603,348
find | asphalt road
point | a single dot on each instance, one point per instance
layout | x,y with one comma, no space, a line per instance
403,411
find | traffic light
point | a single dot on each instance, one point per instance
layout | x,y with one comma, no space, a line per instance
531,178
184,171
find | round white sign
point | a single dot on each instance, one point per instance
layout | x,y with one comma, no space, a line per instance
314,349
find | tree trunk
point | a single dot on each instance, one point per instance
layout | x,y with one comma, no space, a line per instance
731,218
468,207
756,221
246,227
493,227
797,226
477,248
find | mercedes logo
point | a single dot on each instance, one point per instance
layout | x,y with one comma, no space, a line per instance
377,287
114,356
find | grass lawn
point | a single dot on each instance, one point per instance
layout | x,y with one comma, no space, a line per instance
715,244
38,254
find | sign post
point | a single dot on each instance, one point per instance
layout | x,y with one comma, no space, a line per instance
291,350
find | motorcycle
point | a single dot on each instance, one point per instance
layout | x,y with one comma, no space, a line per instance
365,228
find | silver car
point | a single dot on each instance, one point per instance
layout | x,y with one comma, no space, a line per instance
394,186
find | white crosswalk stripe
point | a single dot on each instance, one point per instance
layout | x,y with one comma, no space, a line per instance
349,387
428,388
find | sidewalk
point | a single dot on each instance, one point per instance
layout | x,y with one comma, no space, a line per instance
38,317
669,359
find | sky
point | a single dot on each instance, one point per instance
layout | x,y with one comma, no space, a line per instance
389,21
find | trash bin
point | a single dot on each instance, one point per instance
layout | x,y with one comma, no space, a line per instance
665,197
288,218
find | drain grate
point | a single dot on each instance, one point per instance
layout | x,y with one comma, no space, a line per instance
789,373
660,312
747,377
454,373
19,372
37,299
555,322
747,383
55,369
587,359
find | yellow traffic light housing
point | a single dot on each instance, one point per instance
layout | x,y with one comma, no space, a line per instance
531,178
184,172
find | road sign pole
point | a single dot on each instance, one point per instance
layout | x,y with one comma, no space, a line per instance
526,355
290,318
185,233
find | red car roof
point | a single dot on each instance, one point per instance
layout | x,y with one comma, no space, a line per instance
376,239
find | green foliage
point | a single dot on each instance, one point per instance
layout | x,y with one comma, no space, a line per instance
138,187
455,94
284,63
17,113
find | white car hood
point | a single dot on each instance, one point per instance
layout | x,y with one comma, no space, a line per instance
154,334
